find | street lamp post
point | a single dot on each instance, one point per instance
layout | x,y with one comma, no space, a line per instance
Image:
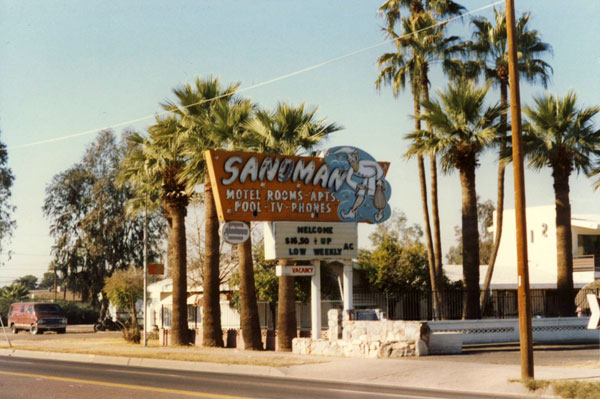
524,299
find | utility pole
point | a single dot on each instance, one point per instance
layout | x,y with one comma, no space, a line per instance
524,299
55,280
145,336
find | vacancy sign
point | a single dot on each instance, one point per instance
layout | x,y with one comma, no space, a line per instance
296,271
595,308
310,240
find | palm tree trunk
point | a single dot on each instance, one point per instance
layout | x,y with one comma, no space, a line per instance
564,244
483,298
470,242
286,313
249,320
179,326
212,334
436,282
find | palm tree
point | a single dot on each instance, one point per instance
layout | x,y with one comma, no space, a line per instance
490,48
421,44
155,164
287,131
211,117
461,130
561,136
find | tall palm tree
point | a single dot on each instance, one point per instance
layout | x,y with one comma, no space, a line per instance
560,135
211,117
420,45
288,131
461,130
155,164
490,48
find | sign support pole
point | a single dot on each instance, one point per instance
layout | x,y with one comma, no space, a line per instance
315,301
145,297
348,285
4,330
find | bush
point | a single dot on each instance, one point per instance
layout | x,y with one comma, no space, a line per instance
79,313
132,335
4,305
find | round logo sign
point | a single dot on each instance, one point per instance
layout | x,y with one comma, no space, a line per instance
235,232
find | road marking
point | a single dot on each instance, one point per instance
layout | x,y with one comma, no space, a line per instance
394,395
127,386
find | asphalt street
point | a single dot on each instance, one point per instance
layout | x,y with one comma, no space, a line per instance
21,378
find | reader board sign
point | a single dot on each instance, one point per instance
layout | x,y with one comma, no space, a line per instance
295,271
347,185
310,240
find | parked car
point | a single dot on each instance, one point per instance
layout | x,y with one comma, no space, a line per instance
36,317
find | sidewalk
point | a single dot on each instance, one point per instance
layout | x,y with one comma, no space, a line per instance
408,372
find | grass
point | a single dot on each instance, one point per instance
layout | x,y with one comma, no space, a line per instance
116,346
575,389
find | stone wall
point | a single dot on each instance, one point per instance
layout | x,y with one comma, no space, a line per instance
372,339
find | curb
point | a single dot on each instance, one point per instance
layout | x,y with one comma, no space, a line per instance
146,362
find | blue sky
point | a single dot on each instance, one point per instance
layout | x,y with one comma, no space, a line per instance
72,66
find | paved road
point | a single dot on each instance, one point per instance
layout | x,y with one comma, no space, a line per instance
21,378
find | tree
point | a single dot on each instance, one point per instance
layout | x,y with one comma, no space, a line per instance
560,135
124,288
28,281
154,164
15,292
288,131
93,237
462,129
490,48
7,224
48,281
399,260
9,294
421,44
213,117
485,213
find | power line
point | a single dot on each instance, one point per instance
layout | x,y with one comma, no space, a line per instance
252,87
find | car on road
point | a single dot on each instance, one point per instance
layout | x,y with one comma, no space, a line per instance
36,317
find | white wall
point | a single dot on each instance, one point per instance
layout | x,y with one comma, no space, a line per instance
541,249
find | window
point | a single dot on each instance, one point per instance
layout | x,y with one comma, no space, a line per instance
47,308
23,309
588,244
30,309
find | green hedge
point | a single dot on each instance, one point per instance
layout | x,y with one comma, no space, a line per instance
79,313
4,305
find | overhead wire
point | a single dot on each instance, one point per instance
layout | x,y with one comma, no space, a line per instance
255,86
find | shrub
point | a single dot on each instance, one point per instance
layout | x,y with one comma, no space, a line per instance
79,313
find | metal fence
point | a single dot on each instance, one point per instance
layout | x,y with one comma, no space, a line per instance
416,305
501,303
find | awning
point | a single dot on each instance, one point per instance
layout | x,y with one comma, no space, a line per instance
195,299
585,223
167,301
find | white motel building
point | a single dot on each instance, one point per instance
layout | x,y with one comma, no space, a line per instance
541,248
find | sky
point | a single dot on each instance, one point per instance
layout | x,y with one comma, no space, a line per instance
70,68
